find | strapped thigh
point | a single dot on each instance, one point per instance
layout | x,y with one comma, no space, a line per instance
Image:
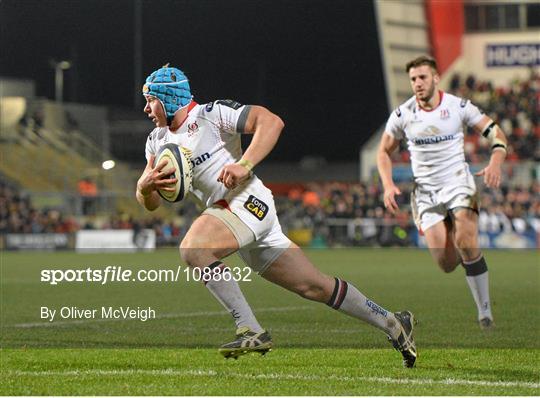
241,231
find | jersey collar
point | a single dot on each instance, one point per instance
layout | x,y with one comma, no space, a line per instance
191,105
439,104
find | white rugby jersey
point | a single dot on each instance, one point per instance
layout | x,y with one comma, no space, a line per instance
434,137
212,133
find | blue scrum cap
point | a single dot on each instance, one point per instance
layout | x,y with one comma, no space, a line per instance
171,87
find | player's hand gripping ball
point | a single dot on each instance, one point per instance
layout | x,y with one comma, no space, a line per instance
179,158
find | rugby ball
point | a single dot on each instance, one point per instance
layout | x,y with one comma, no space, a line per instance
179,158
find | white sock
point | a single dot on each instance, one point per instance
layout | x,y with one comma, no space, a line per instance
478,280
228,293
348,299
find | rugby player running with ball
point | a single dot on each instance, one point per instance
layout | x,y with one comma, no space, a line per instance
239,214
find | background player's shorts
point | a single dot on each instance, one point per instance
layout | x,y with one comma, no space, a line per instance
250,213
431,206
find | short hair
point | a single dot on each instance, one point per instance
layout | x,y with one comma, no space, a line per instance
421,60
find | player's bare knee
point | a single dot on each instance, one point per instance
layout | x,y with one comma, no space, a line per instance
191,255
186,253
470,253
467,244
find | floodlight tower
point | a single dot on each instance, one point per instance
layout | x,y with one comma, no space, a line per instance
59,68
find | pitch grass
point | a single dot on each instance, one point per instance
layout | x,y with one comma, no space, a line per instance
318,351
286,371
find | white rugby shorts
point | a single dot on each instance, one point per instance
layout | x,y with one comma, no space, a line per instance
430,206
250,213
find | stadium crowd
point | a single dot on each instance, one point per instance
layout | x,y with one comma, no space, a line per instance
322,205
326,209
17,215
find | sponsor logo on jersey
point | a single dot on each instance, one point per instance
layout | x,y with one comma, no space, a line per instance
230,103
256,207
432,140
445,114
192,128
209,107
463,102
398,112
200,159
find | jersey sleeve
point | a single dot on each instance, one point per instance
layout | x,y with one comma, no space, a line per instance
394,125
470,113
231,116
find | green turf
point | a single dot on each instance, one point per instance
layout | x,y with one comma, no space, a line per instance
286,371
318,351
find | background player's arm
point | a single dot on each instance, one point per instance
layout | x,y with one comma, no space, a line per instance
150,181
492,172
384,164
266,128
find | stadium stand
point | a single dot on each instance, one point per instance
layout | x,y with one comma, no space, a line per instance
45,152
39,159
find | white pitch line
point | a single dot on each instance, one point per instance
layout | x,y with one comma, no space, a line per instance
274,376
105,372
47,324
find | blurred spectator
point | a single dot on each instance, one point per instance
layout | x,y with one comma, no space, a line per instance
88,192
17,215
311,199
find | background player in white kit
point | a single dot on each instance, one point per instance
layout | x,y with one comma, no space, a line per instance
444,201
239,214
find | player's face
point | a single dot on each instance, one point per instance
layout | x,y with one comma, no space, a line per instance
155,112
423,82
